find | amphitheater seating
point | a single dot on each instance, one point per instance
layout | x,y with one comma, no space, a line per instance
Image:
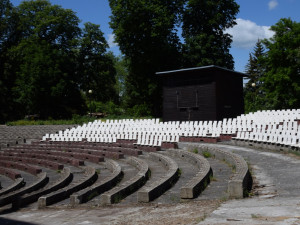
269,126
116,143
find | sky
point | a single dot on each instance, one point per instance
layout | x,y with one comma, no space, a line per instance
253,22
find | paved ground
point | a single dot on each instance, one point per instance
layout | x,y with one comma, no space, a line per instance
277,189
276,200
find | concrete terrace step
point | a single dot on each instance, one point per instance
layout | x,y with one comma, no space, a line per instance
41,181
100,186
241,181
151,191
64,179
202,177
218,186
128,187
86,178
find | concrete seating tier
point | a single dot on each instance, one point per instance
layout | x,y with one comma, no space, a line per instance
19,183
12,135
122,190
65,179
202,178
29,158
126,149
41,181
99,187
9,173
152,191
90,176
75,151
21,166
44,155
241,181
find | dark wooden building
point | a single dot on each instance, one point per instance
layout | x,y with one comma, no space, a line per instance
202,93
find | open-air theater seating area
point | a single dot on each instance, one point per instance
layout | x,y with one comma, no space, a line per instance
90,162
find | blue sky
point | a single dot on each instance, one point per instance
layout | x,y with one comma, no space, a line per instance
254,19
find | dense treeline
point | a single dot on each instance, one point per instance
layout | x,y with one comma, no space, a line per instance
51,66
274,69
48,63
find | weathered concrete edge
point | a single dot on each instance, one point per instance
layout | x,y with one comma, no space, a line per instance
118,193
202,178
264,145
241,181
19,183
91,177
147,194
64,180
41,182
97,189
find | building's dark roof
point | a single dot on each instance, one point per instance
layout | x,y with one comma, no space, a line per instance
211,67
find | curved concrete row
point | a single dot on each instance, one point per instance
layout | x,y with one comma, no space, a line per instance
99,187
41,182
152,191
89,178
9,173
202,178
241,181
121,191
19,183
65,179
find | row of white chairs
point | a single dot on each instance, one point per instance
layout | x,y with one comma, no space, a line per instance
273,125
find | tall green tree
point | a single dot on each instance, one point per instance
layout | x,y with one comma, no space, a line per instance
8,37
204,23
96,69
46,80
146,34
253,90
282,78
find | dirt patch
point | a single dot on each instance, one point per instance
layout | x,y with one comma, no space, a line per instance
158,214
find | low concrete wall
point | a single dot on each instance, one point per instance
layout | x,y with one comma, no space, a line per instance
40,183
264,145
89,178
19,183
65,179
99,188
118,193
149,193
202,177
241,181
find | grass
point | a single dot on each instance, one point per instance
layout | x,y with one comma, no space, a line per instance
206,154
98,171
195,150
255,216
179,172
76,119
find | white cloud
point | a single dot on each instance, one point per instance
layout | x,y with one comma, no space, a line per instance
111,41
246,33
272,4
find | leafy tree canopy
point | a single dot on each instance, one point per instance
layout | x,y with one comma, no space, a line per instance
282,78
204,23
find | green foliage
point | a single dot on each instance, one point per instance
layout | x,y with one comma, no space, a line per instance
254,95
206,154
145,32
76,119
48,64
204,23
96,69
274,69
282,78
